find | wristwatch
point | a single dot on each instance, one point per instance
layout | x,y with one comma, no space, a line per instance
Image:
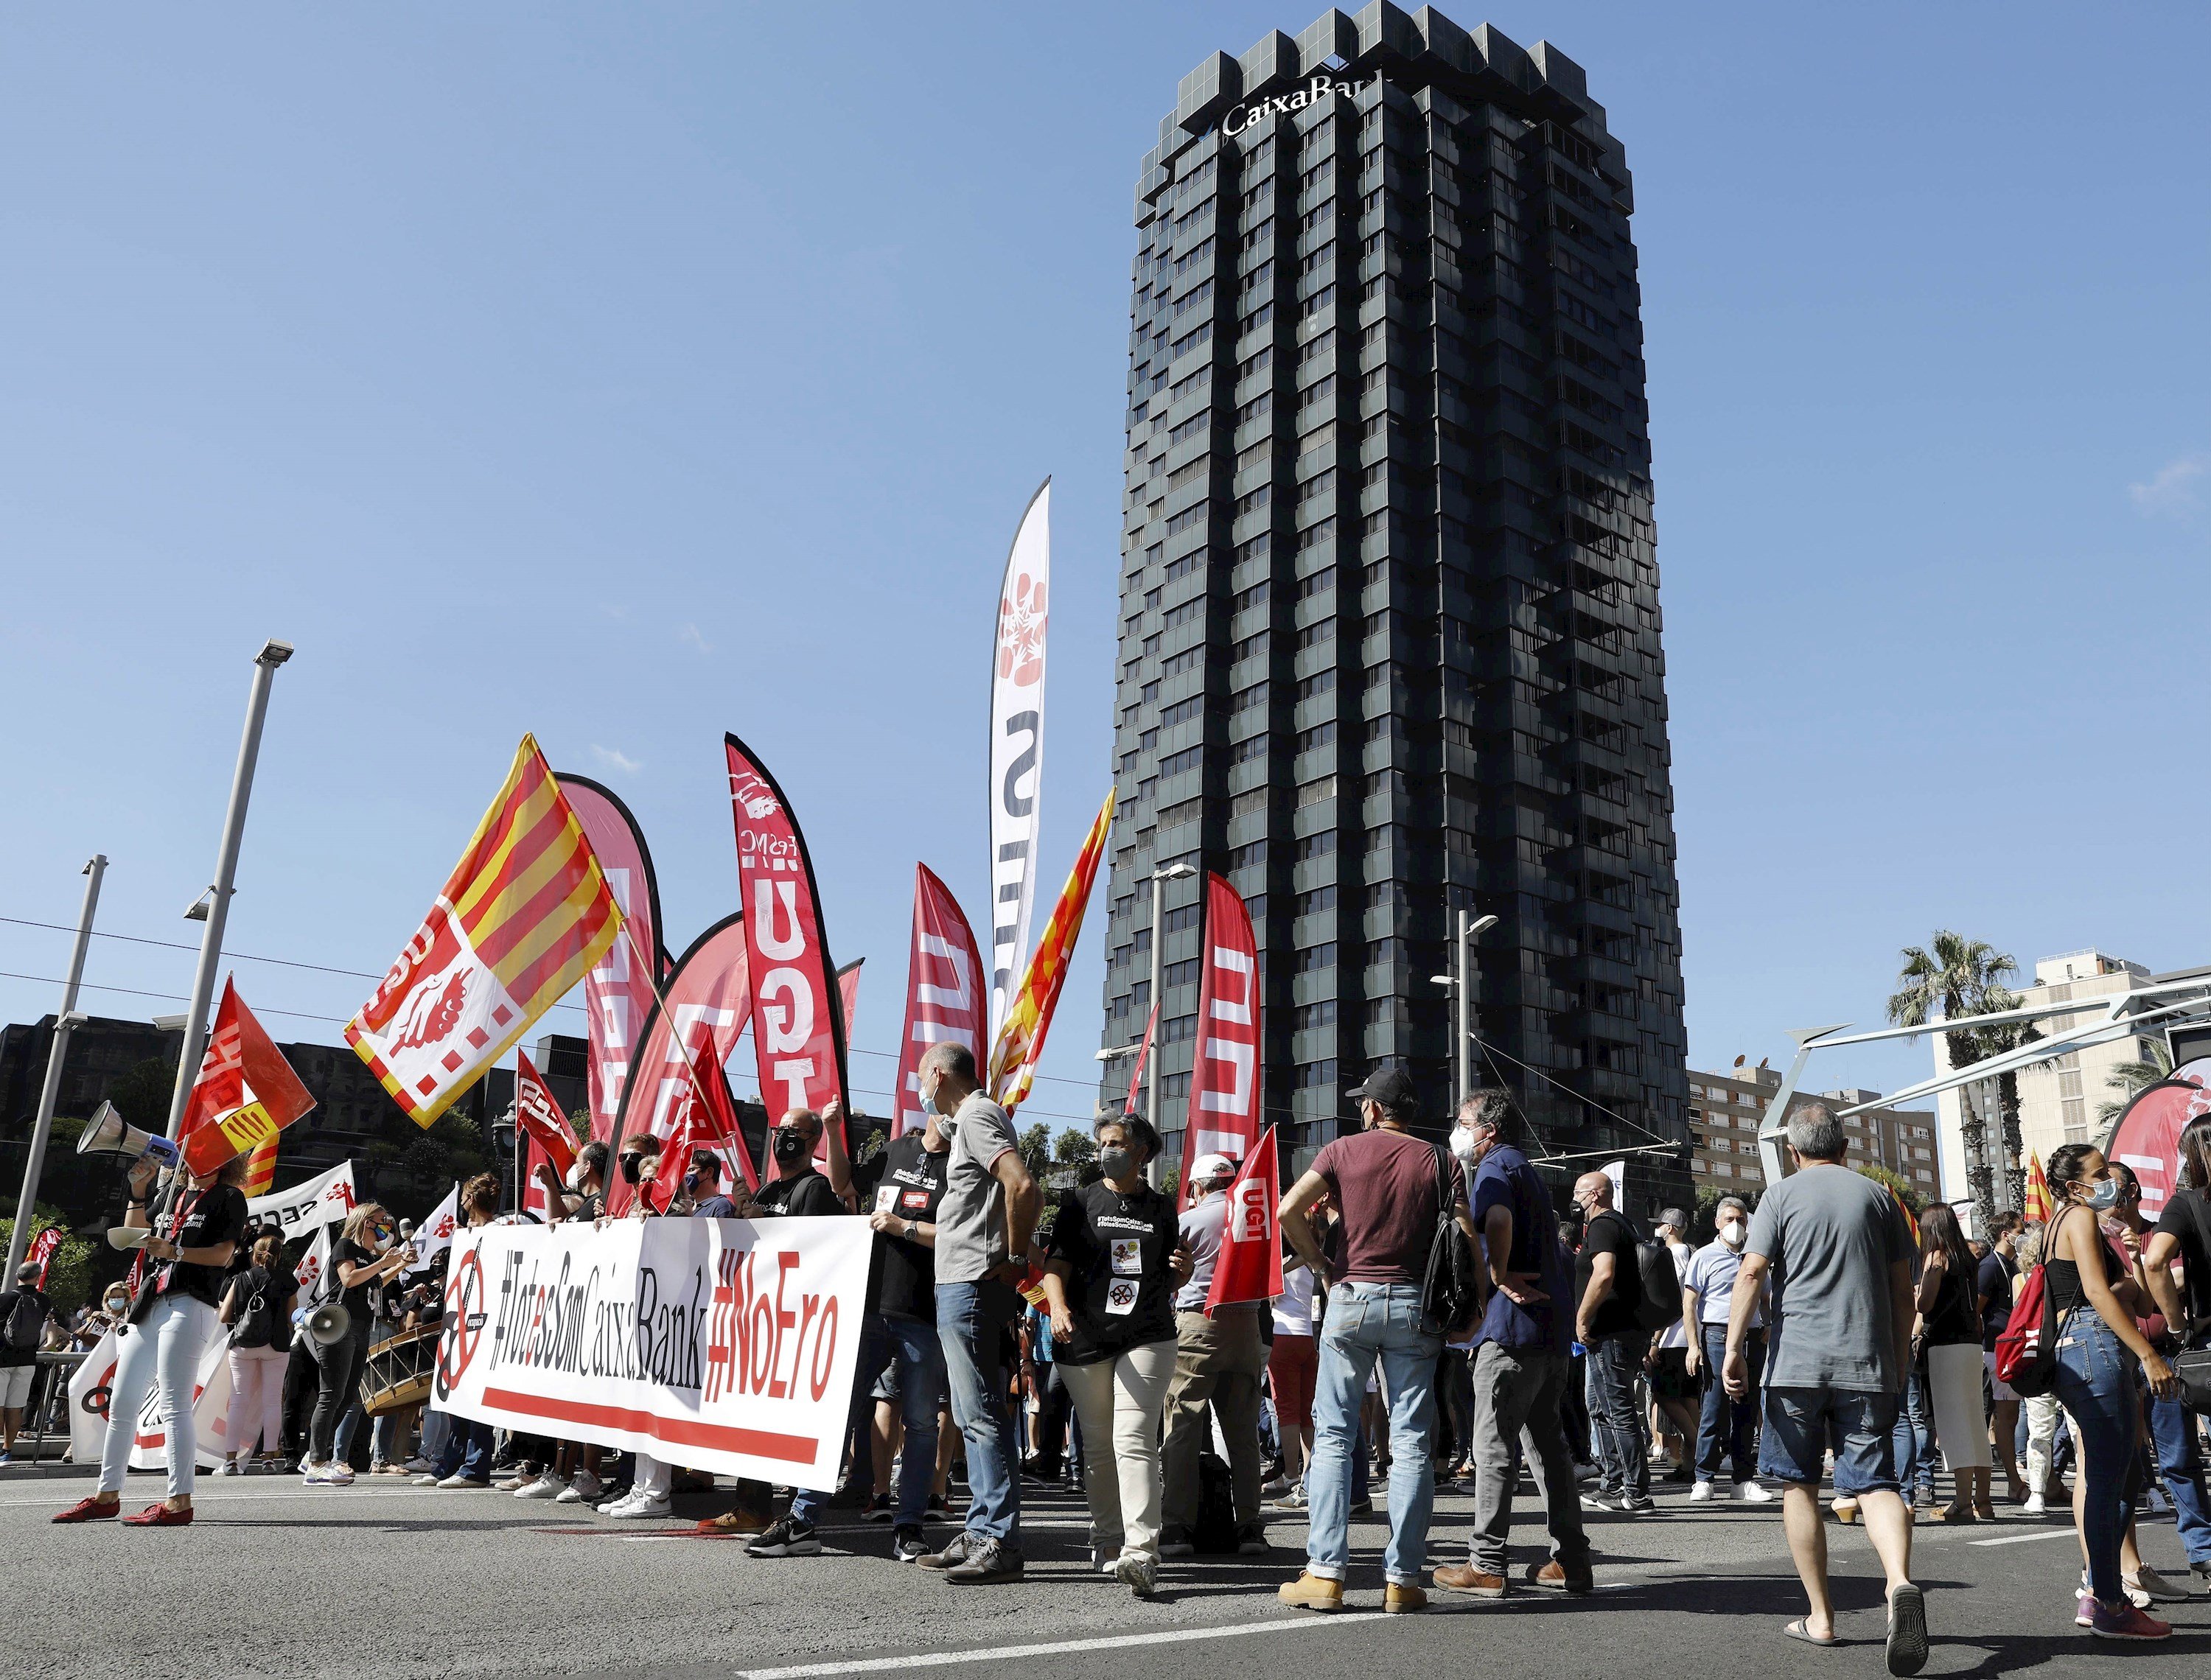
913,1230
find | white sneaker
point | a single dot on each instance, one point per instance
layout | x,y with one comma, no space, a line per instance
228,1468
419,1467
338,1475
548,1486
2036,1505
584,1489
609,1506
2160,1590
458,1480
310,1472
642,1507
428,1479
1752,1493
1703,1493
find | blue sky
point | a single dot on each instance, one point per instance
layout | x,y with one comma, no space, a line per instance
632,374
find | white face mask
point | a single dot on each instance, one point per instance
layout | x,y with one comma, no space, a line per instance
1731,1233
1462,1142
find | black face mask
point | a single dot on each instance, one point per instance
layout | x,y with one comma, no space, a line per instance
789,1146
630,1164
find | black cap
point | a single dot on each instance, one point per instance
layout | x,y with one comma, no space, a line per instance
1392,1087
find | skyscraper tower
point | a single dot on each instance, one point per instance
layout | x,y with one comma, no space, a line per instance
1390,631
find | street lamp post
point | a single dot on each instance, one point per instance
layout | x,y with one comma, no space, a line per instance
50,1092
1460,983
213,906
1173,871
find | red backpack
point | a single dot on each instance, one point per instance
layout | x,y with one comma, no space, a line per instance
2027,1350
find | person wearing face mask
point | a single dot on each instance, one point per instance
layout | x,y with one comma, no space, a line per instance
1725,1428
702,1188
1109,1280
367,1251
1520,1364
797,1190
2097,1297
1607,1294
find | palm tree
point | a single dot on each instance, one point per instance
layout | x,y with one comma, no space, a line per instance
1955,977
2129,1077
1994,1042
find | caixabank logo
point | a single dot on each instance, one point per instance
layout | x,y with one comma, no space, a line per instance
1252,112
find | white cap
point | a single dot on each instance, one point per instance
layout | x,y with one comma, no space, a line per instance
1210,1167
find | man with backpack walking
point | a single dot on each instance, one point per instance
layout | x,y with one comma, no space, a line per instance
23,1312
1609,1321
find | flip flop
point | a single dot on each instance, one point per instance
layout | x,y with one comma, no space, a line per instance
1797,1630
1907,1630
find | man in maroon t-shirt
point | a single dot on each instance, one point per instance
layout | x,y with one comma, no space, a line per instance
1384,1182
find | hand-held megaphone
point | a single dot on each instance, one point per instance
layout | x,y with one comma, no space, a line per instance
109,1133
328,1323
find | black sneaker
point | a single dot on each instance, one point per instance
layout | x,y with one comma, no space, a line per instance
786,1537
907,1545
937,1510
1251,1540
954,1554
987,1563
1362,1507
880,1508
1175,1542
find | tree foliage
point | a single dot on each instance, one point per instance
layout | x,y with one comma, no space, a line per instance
69,1272
1955,977
1896,1185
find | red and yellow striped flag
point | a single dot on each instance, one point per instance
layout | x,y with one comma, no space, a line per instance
2037,1209
525,914
1021,1040
261,1166
1910,1223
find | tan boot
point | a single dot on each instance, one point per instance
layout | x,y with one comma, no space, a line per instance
1313,1591
1402,1601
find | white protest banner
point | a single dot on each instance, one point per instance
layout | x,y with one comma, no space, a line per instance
724,1344
88,1391
304,1206
435,1234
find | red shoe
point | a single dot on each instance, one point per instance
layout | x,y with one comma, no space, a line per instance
160,1516
89,1510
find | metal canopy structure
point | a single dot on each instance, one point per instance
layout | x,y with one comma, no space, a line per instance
2177,1000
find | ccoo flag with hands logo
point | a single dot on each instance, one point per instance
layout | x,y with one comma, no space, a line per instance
797,1015
246,1093
524,915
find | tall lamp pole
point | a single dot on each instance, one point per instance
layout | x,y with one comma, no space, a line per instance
50,1092
213,906
1460,983
1173,871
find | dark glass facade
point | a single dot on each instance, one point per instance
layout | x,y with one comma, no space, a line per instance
1389,628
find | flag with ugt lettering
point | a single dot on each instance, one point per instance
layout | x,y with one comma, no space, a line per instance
538,1114
944,1000
524,915
1250,1267
618,991
1021,1040
1224,1079
246,1093
798,1020
40,1253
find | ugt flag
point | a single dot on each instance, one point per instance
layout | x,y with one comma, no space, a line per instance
246,1093
538,1114
1250,1267
944,992
618,992
1223,1080
524,915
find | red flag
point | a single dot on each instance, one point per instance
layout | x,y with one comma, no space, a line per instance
944,992
848,993
534,1199
246,1092
41,1251
2147,1135
261,1169
707,992
1250,1267
708,1127
1143,1049
618,992
540,1115
1224,1082
798,1032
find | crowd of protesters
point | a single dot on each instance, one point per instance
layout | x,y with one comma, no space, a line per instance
1815,1339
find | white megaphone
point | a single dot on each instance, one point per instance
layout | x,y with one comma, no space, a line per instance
108,1134
328,1323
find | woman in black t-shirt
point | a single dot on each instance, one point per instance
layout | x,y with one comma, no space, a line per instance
1110,1276
196,1233
367,1253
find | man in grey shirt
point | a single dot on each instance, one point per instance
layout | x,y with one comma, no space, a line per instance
983,1220
1836,1248
1220,1362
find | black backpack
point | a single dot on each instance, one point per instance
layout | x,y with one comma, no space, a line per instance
1661,1301
1214,1533
1449,1291
257,1319
26,1322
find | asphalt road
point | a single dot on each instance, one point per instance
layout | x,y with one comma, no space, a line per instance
383,1580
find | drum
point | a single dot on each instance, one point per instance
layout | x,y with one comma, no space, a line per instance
398,1371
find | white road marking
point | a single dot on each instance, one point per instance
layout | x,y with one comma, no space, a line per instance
1004,1653
2022,1539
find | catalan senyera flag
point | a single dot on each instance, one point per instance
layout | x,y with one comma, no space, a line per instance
1021,1040
524,915
2038,1210
1910,1223
261,1169
245,1093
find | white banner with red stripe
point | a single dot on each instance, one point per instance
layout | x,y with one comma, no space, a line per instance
91,1383
726,1345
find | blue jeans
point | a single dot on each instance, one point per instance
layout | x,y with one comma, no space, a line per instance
467,1451
1915,1440
2096,1386
1726,1426
920,1359
2172,1428
1624,1462
1803,1425
1368,1322
968,1324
